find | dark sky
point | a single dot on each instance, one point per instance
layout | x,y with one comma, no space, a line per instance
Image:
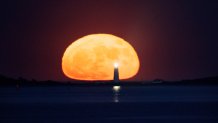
174,39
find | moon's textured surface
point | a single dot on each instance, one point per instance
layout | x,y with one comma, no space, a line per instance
92,57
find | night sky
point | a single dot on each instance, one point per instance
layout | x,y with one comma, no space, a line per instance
174,39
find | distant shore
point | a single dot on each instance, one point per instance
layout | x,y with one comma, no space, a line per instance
7,81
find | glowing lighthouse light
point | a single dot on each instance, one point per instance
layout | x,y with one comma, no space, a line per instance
116,65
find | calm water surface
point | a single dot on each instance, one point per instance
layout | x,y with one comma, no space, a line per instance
69,94
108,104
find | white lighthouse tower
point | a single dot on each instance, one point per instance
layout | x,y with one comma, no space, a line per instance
116,72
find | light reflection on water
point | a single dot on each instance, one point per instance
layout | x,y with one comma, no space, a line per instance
116,90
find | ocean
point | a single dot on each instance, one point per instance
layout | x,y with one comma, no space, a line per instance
107,104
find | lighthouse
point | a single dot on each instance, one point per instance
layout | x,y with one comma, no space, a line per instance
116,72
116,89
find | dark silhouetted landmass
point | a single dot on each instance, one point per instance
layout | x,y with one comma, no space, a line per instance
7,81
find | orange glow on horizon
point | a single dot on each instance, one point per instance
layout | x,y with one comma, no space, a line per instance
93,57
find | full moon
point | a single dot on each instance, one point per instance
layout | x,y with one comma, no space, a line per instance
92,57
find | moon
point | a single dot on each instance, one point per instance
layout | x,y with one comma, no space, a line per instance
92,57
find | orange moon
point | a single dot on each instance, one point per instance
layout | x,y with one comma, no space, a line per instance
92,57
